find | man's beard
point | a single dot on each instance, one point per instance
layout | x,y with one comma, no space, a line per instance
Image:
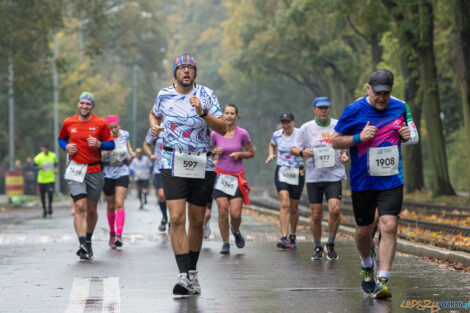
186,84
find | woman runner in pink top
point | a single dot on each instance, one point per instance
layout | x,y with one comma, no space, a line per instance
231,188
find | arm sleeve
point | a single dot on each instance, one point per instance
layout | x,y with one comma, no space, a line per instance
107,145
62,143
414,139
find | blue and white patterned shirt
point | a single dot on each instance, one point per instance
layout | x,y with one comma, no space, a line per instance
283,144
116,169
157,150
184,129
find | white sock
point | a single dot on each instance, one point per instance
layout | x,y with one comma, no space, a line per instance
367,262
384,274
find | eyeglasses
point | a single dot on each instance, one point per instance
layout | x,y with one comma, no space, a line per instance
184,66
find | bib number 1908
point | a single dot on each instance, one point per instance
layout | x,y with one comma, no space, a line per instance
383,161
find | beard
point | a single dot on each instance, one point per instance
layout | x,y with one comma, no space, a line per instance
183,84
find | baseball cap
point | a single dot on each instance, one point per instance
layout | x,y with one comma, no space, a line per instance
381,80
45,145
287,117
321,102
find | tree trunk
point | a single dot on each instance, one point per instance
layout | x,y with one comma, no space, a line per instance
461,39
428,78
408,43
376,49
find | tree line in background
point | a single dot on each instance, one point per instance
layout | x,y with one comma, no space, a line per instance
267,57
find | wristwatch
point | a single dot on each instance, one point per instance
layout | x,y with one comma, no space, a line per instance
301,153
204,114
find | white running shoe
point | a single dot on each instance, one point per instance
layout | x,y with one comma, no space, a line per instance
196,288
183,286
207,231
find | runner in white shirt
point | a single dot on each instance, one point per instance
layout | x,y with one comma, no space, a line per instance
185,114
324,172
289,179
141,167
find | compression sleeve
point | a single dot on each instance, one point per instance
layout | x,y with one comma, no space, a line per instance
107,145
62,143
414,139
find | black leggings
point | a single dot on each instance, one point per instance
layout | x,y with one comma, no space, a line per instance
49,189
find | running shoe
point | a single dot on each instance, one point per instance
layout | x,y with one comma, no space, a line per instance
194,282
367,282
183,285
162,226
239,240
90,250
207,231
225,248
317,254
283,243
293,241
118,241
83,252
381,290
331,252
112,239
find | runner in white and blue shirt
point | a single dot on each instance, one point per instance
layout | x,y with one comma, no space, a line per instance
288,178
116,180
185,114
156,157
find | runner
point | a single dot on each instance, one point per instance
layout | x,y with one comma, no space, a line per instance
141,168
289,179
186,112
231,189
47,163
374,127
116,180
82,136
156,157
324,174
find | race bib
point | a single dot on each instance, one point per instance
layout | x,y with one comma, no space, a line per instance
48,166
76,172
189,165
324,157
118,154
227,184
289,175
383,161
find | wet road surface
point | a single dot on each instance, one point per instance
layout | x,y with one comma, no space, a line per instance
40,272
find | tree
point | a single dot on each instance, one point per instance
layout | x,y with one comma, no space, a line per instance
430,96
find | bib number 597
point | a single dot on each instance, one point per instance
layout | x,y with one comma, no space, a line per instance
189,164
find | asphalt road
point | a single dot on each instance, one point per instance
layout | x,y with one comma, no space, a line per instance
39,271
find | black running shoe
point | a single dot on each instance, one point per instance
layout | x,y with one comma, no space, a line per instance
293,241
317,254
90,250
118,241
331,252
239,240
83,252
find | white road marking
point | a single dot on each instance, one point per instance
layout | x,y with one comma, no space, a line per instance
105,297
78,295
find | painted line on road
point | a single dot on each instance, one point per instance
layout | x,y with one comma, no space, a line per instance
94,294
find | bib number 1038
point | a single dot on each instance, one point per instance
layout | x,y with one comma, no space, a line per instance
383,161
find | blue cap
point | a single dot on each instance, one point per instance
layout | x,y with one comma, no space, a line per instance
321,102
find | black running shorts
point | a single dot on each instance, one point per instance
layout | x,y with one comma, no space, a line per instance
110,184
220,194
331,190
197,191
142,183
295,191
388,202
157,181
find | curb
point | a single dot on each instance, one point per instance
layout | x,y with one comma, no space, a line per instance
404,246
